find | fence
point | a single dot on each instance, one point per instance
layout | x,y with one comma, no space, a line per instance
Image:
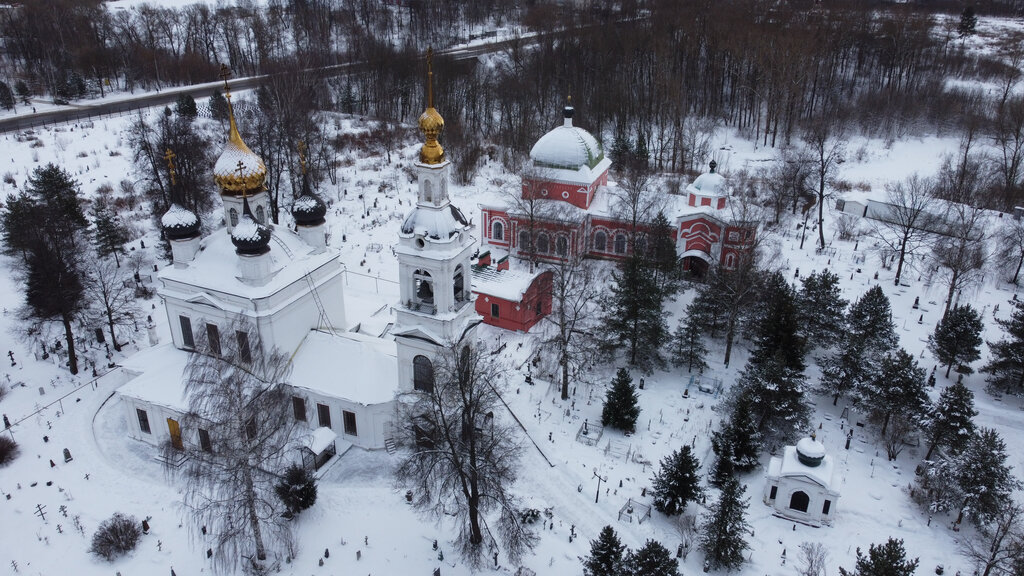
94,383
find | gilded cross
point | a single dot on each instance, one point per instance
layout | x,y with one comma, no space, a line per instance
169,156
241,174
302,155
225,73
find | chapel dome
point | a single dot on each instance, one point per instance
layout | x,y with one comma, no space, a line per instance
567,147
810,452
249,236
238,169
435,223
710,183
179,223
309,209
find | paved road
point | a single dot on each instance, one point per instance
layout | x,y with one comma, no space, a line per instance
90,109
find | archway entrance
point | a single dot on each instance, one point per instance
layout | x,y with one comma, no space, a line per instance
799,501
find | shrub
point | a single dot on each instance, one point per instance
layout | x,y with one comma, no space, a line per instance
116,535
297,490
8,450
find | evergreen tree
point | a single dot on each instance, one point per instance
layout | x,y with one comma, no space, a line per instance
897,388
622,149
1006,365
889,559
218,106
951,419
821,309
110,234
957,338
870,321
297,490
777,326
774,394
688,347
607,555
661,255
677,482
975,482
870,335
621,408
725,528
652,559
23,91
736,445
633,314
968,22
6,96
186,106
43,227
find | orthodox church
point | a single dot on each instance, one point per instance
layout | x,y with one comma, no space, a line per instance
287,288
569,168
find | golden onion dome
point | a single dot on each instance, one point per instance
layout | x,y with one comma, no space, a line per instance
431,124
238,169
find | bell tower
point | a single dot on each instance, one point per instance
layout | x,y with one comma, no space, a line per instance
434,249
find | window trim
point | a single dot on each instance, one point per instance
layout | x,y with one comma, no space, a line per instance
349,423
495,310
299,408
498,230
188,339
143,421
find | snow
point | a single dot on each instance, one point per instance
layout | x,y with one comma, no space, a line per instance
247,230
810,448
437,224
709,184
178,217
157,377
347,365
505,284
320,438
569,148
790,465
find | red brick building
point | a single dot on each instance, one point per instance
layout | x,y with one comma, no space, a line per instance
510,299
568,168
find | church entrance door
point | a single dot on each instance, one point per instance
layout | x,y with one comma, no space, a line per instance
175,430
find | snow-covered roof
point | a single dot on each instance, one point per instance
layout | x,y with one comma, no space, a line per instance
437,223
709,184
789,466
178,217
347,365
159,381
567,147
505,284
318,440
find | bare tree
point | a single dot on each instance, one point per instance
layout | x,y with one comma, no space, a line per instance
813,556
636,202
1010,242
998,548
905,222
533,210
460,455
897,430
825,145
573,294
240,412
1008,136
111,294
962,252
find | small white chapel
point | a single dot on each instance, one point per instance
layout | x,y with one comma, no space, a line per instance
803,484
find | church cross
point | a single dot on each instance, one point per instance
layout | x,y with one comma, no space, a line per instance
430,77
302,155
169,156
241,174
225,73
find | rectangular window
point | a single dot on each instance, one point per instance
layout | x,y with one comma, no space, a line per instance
826,507
734,236
244,353
299,408
213,335
187,340
774,493
323,413
494,310
143,420
350,422
204,441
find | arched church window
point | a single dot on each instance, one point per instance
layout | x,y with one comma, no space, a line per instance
233,216
600,241
428,191
422,374
543,244
524,241
562,246
458,285
497,231
799,501
423,288
620,243
730,260
261,216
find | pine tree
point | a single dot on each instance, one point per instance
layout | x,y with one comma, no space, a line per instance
218,106
821,309
774,393
677,482
186,106
297,489
621,408
688,347
897,388
736,445
723,538
23,91
957,338
652,559
607,555
6,96
661,254
968,22
1006,364
110,234
975,482
633,314
889,559
870,335
777,326
951,420
870,321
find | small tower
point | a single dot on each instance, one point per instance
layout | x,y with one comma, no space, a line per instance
309,210
235,183
180,225
433,252
252,244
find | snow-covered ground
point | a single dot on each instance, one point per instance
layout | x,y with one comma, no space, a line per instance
360,517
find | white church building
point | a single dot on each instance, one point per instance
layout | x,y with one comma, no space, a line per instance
286,287
803,484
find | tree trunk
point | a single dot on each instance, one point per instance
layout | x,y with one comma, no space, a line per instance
254,520
952,290
728,342
899,264
564,360
1016,273
113,335
69,337
885,423
948,368
930,450
821,218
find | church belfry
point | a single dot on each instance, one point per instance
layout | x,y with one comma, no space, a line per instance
433,253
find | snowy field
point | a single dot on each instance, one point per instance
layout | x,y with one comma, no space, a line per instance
360,517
